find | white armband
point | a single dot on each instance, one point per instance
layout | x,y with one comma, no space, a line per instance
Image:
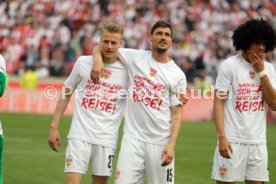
262,73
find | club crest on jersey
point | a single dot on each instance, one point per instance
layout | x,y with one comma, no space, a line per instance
106,73
223,170
68,161
117,175
252,74
153,72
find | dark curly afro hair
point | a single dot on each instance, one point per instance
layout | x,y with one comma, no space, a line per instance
254,31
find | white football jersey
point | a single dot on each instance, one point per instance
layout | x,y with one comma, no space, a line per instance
98,108
153,91
244,111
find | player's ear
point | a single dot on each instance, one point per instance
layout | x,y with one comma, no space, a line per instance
150,40
121,43
246,51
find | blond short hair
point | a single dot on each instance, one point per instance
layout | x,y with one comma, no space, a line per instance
113,28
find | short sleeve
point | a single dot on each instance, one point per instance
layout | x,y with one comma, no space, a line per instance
223,80
74,77
179,88
127,56
272,76
2,83
2,65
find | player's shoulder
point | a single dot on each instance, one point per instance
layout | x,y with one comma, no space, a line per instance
174,66
268,64
134,51
85,59
230,62
177,72
269,67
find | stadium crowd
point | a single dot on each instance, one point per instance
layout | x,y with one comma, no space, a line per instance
49,35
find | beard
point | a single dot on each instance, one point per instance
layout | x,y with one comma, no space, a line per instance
161,51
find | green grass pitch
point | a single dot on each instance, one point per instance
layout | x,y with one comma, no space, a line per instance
28,158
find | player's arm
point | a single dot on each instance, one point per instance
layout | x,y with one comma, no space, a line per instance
222,88
97,65
69,85
2,83
176,123
125,55
54,136
225,148
268,90
176,118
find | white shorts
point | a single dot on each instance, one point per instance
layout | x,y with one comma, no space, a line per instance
80,153
248,162
137,159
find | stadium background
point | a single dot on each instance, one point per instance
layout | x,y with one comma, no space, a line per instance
41,39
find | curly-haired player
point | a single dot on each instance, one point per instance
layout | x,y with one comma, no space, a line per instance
244,85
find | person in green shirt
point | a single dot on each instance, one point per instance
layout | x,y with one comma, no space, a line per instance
2,76
2,89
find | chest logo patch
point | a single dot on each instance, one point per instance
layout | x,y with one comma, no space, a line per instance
153,72
106,73
252,74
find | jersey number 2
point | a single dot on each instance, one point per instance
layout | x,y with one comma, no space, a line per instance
110,157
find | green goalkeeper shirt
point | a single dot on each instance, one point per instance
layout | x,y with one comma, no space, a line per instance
2,75
2,83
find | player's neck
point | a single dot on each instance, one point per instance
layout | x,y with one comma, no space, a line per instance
109,60
160,57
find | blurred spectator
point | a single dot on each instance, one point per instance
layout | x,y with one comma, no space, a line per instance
32,55
29,79
188,69
57,65
203,82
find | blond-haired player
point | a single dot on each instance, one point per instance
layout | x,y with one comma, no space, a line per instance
98,112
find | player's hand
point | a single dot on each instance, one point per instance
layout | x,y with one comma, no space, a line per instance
184,98
96,72
54,139
256,61
225,148
167,155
